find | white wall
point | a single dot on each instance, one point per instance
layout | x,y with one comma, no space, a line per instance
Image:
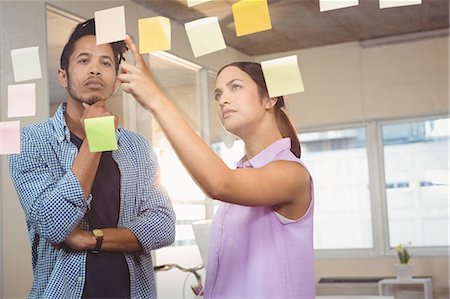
346,83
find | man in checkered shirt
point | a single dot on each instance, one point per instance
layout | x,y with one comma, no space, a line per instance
93,218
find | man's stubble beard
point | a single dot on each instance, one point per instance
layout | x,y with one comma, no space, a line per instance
74,95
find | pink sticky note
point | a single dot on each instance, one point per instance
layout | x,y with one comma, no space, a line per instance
22,100
110,25
9,137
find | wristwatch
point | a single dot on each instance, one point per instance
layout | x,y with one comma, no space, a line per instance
98,234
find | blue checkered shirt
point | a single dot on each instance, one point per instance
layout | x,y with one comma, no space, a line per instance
54,204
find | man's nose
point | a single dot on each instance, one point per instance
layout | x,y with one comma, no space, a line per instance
95,69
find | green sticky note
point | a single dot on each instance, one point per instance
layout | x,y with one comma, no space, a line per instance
101,133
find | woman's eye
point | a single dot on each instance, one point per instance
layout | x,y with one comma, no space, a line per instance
235,87
217,96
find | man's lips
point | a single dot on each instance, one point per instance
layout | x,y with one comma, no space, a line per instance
94,83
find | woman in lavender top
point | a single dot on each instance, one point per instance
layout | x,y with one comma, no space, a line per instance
261,242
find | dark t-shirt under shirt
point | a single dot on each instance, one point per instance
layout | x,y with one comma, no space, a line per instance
107,274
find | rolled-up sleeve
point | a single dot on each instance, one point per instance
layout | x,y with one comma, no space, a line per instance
53,205
154,225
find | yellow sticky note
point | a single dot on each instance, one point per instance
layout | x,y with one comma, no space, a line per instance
326,5
154,34
398,3
101,133
205,36
26,64
251,16
282,76
110,25
196,2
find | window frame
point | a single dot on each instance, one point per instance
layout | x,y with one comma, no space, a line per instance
377,191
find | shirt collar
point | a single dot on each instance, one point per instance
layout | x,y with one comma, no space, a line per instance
267,155
62,132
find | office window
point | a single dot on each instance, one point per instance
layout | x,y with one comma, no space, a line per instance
178,79
338,163
416,172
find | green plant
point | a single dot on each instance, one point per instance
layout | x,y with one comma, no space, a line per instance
403,254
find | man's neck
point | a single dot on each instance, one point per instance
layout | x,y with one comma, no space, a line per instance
73,115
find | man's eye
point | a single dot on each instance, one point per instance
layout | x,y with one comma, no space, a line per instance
83,60
107,63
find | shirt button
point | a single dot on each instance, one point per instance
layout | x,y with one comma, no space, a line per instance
80,279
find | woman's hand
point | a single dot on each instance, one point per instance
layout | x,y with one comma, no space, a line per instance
138,80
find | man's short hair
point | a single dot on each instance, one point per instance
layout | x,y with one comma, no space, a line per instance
88,28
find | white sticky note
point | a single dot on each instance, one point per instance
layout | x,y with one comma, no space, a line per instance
398,3
26,64
326,5
110,25
196,2
282,76
9,137
205,36
22,100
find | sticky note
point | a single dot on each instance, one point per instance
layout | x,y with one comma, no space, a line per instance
196,2
101,133
397,3
110,25
26,64
22,100
205,36
326,5
251,16
154,34
9,137
282,76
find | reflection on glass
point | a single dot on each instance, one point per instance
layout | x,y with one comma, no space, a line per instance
337,161
416,171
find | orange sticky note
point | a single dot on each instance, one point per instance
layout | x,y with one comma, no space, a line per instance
154,34
282,76
251,16
110,25
9,137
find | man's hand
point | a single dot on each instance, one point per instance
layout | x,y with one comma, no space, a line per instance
97,110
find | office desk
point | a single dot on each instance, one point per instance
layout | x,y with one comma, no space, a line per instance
385,285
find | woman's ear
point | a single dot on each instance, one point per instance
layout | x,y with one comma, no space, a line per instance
269,103
62,77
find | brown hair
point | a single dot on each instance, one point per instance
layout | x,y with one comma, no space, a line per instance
285,126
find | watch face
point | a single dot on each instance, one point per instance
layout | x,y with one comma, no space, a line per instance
97,233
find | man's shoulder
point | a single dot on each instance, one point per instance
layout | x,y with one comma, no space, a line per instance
39,130
133,138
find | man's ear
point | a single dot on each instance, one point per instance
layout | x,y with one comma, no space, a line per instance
269,103
62,77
